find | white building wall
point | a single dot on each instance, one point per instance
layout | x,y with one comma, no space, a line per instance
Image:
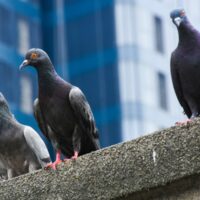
139,63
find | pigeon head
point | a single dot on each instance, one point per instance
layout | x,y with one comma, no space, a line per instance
37,58
178,16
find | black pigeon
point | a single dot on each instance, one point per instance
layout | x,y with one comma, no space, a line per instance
21,148
185,65
61,110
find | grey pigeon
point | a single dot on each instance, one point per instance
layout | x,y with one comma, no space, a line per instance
21,148
61,110
185,65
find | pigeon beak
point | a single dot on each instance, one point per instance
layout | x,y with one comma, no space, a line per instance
24,64
177,21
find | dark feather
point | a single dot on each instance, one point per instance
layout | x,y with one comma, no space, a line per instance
84,115
178,88
63,114
39,117
185,65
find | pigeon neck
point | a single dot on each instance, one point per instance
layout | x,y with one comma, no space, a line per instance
46,75
46,71
187,33
5,112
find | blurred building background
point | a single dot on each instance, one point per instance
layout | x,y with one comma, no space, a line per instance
116,51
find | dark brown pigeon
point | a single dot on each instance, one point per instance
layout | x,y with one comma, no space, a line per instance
21,148
185,65
61,110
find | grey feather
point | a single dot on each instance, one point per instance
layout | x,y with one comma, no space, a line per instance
39,117
3,172
37,145
21,148
84,114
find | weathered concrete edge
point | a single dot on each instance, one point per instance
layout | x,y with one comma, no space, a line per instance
120,170
185,188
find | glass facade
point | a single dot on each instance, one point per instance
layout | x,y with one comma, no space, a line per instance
88,58
116,51
162,91
20,25
159,42
80,39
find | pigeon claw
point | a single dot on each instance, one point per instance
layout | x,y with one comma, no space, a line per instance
57,161
186,122
53,165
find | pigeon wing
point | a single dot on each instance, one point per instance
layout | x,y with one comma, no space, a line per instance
37,145
84,114
39,118
177,87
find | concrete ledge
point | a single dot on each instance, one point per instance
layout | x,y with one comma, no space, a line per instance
163,165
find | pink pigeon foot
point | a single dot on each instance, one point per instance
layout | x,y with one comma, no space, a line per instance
57,161
75,156
187,121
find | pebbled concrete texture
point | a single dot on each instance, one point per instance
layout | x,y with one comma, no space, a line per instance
163,165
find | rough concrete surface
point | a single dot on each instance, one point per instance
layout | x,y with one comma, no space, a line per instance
163,165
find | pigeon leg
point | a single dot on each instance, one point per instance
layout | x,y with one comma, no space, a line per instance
75,156
56,162
187,121
76,142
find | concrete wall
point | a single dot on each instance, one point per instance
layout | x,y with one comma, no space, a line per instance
163,165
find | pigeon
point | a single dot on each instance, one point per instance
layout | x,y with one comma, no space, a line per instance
61,110
185,65
21,148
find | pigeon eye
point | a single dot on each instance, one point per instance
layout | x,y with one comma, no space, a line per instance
34,55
